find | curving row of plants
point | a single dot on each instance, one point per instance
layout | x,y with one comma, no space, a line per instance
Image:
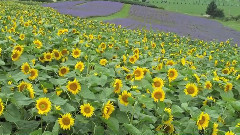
66,75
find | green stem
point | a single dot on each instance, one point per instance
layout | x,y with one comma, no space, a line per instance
41,123
132,114
87,65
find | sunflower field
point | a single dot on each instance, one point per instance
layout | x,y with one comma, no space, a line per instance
65,75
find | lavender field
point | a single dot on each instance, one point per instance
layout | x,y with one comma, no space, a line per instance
85,9
152,19
184,25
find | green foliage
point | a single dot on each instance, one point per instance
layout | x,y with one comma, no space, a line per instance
213,11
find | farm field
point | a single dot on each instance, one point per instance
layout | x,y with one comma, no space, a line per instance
134,16
63,74
230,8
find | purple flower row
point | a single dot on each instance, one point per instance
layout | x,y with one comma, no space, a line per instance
87,9
184,25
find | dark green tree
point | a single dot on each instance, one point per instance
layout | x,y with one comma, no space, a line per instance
213,11
212,7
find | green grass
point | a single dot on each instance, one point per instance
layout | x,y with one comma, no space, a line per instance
123,13
232,24
198,10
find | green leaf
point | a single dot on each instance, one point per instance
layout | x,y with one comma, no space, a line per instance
55,128
19,76
191,128
58,82
227,96
49,118
176,109
131,129
147,118
47,133
148,102
113,124
103,81
67,108
20,99
98,130
81,118
122,117
5,128
58,100
36,132
86,93
2,63
24,124
236,105
12,114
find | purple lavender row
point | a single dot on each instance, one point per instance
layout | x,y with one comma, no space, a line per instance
184,25
87,9
65,4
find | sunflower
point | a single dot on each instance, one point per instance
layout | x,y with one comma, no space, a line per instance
107,110
15,55
103,62
215,129
168,128
226,71
138,73
128,77
64,52
33,74
117,85
234,62
146,70
22,36
132,59
38,44
74,86
63,71
159,66
47,56
157,83
228,87
56,54
170,62
208,85
170,116
76,53
79,66
19,48
31,90
172,74
197,77
66,121
183,61
191,89
22,86
25,68
87,110
41,59
124,97
124,58
1,107
158,94
229,133
43,105
203,121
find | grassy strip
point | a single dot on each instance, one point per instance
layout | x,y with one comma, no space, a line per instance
232,24
123,13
